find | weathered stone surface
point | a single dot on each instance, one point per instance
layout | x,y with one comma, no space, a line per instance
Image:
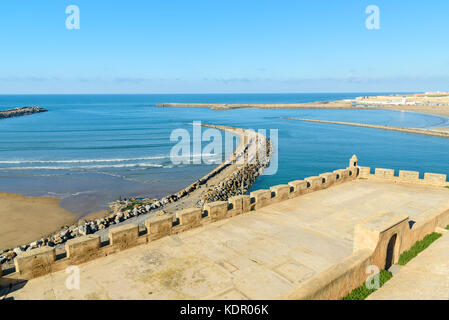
190,217
384,173
408,175
260,199
364,172
329,178
216,210
159,226
299,188
35,263
82,248
435,178
278,247
314,183
124,236
282,192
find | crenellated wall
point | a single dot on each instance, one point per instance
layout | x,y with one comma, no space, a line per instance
370,239
430,179
85,248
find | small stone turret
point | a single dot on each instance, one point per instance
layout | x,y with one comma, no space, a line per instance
353,162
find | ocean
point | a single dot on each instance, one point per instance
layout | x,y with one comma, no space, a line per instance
89,150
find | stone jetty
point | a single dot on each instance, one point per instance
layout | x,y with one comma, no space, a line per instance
440,132
19,112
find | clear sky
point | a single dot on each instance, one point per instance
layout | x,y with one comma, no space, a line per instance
214,46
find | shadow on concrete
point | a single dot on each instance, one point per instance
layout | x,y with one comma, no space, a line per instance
8,286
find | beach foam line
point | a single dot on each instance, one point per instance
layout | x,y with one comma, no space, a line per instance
101,160
93,167
130,165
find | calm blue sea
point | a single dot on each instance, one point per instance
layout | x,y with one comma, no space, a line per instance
92,149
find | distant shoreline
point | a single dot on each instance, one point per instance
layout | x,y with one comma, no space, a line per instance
422,103
338,104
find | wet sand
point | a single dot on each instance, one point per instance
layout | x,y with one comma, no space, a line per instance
26,219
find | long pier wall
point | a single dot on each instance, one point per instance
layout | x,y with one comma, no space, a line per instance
19,112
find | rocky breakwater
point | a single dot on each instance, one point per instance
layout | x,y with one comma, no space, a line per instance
18,112
232,177
249,162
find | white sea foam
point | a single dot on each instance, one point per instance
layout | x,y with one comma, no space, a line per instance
129,165
100,160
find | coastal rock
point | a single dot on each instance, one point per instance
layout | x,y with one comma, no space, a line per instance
57,240
82,230
17,112
10,255
17,250
93,228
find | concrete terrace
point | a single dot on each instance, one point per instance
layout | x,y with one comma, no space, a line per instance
261,254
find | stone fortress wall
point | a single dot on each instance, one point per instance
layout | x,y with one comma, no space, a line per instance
40,261
371,238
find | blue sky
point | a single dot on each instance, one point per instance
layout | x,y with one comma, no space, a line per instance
229,46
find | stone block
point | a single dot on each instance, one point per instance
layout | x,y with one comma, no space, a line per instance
35,263
190,217
341,175
281,192
435,178
299,188
159,227
409,175
260,199
364,172
217,210
330,178
384,173
314,183
124,236
83,248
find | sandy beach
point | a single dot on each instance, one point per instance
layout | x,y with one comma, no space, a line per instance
26,219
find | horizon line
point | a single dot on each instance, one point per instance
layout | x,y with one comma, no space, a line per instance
222,93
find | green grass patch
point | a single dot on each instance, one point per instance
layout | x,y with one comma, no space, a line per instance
447,228
417,248
362,292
